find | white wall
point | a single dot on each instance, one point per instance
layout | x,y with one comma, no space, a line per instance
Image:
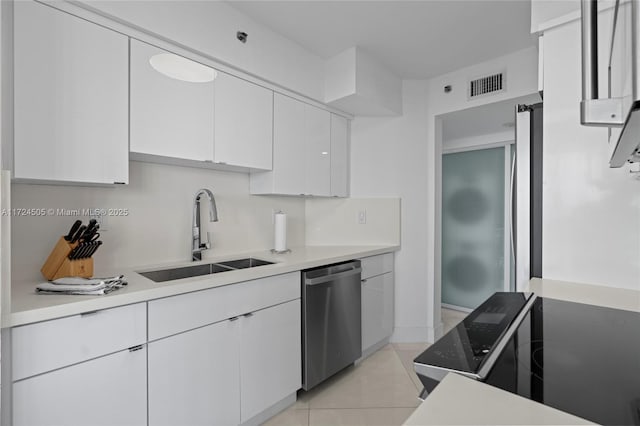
476,141
335,221
210,27
400,156
591,216
158,227
543,11
546,14
388,159
357,83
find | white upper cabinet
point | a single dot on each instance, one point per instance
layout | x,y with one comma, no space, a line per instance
243,123
71,98
318,151
303,162
288,175
339,156
184,110
170,115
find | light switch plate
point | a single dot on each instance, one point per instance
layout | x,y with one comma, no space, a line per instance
362,217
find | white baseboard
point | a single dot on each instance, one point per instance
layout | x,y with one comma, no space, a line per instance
372,349
413,334
278,407
438,331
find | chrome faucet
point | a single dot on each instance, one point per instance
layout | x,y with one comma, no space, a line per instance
197,246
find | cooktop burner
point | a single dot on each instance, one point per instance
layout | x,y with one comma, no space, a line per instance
581,359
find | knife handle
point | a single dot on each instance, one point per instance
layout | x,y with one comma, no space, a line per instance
78,234
73,230
73,252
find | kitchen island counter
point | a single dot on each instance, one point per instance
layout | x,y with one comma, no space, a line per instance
28,307
460,400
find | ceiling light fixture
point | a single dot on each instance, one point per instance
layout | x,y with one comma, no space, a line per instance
180,68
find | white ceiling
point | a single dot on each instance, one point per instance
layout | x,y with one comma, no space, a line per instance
415,39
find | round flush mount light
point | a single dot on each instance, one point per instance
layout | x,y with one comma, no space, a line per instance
180,68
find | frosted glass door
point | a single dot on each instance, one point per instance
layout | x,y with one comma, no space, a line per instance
473,226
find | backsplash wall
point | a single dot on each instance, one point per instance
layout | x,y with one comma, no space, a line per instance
157,229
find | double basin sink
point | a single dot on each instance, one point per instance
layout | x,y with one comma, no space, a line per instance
171,274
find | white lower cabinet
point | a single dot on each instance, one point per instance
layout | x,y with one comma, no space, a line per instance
110,390
220,356
228,372
377,300
270,353
377,309
205,368
193,377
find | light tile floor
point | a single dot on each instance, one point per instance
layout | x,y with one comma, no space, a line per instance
381,390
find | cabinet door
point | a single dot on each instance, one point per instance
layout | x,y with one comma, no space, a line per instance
339,156
271,357
193,377
372,311
71,98
243,123
388,318
111,390
288,146
377,309
170,116
318,151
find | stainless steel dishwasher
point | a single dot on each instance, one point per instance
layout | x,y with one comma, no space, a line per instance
331,320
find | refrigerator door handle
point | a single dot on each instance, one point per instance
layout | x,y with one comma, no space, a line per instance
512,198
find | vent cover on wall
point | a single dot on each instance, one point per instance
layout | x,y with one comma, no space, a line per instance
486,85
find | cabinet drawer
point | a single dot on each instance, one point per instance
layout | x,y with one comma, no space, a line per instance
376,265
176,314
107,391
48,345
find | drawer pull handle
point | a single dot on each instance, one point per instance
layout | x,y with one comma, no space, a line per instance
248,314
136,348
87,314
233,319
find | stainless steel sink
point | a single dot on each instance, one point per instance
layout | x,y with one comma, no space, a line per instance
162,275
248,262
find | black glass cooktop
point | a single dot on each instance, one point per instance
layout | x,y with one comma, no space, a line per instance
581,359
466,347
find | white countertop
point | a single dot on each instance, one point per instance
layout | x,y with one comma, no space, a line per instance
460,400
609,297
27,306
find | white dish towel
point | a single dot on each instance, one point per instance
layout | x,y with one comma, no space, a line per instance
78,285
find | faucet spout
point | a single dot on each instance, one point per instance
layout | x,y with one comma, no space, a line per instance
197,246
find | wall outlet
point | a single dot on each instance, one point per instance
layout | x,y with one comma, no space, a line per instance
362,217
102,221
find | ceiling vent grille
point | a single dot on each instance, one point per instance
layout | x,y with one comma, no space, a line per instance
486,85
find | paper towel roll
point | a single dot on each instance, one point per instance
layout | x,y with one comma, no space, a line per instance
280,231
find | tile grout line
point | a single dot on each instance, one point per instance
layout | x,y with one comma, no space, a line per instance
405,369
366,408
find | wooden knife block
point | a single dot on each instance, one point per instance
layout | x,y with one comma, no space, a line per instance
59,265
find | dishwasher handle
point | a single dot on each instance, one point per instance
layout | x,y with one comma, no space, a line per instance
332,277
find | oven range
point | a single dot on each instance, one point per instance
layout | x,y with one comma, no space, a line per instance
578,358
